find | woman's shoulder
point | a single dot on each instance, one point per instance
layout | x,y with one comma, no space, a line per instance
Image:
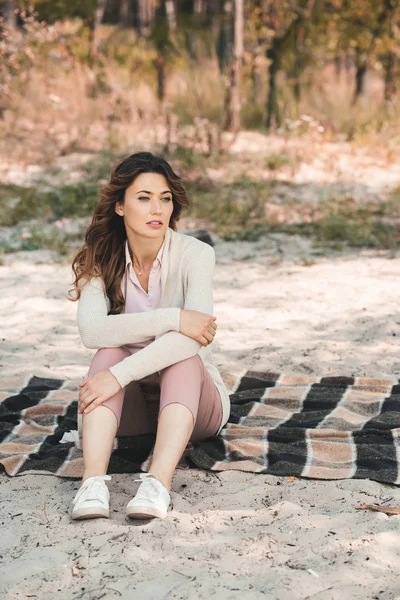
93,284
188,247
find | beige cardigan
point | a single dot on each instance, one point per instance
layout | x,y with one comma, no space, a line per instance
186,281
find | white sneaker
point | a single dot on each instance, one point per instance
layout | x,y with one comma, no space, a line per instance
151,500
92,499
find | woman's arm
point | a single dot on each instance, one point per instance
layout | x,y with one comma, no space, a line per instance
99,330
173,347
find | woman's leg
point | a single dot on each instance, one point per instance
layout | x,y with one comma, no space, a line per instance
190,409
100,426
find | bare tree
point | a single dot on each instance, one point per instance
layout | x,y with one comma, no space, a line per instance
233,103
389,61
171,14
93,22
363,58
225,36
146,12
10,14
160,36
125,13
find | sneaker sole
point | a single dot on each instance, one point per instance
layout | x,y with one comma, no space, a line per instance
145,512
90,513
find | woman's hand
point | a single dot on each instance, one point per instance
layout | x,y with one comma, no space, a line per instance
198,326
95,390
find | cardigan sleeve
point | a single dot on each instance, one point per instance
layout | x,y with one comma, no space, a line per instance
173,347
99,330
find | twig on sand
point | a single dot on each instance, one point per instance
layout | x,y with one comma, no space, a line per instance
44,508
95,590
183,574
318,592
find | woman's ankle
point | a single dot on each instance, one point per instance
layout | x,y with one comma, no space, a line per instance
167,483
88,474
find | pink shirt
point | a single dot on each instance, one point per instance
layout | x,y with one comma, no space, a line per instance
136,299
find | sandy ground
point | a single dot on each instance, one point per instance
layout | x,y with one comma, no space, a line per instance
280,306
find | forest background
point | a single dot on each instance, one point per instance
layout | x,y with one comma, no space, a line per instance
280,116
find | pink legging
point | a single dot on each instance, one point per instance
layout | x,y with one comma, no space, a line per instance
138,405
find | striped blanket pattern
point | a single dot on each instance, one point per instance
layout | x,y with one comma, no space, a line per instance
282,424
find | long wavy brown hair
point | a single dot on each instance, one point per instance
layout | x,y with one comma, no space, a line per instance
103,253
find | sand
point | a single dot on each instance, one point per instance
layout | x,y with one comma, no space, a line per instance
280,306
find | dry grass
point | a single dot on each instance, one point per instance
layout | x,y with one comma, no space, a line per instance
59,103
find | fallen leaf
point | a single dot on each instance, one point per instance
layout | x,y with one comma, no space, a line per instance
389,510
75,571
292,478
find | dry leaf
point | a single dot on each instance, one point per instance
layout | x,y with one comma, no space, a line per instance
292,478
389,510
75,570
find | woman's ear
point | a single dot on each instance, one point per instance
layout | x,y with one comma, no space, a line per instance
119,209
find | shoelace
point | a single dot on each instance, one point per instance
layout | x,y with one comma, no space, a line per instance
151,489
92,489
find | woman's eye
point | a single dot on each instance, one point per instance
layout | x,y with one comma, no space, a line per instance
146,198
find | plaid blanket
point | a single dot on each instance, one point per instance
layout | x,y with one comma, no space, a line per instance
295,425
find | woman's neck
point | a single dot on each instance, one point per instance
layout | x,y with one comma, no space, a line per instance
144,252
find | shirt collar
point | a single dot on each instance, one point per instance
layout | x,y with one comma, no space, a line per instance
128,259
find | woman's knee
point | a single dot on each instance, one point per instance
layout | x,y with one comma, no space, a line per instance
190,365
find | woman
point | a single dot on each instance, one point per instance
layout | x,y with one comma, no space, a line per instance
145,302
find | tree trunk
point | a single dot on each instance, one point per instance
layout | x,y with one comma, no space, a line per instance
125,15
145,10
233,102
389,63
160,68
225,37
272,102
390,84
298,66
160,37
304,13
363,61
94,22
198,7
10,15
171,14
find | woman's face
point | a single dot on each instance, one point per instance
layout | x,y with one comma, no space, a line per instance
148,198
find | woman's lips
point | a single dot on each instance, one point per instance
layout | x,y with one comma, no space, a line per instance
154,226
